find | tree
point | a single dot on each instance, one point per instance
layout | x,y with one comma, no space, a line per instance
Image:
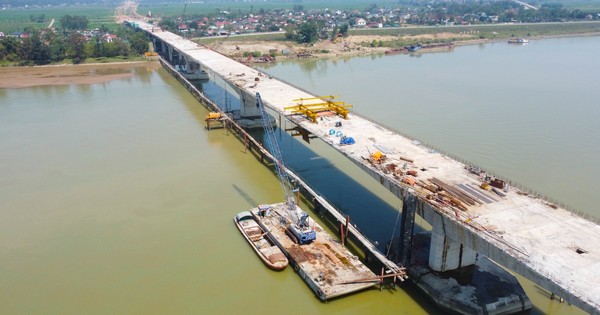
75,47
168,25
33,51
57,49
344,29
75,22
307,33
290,32
8,49
335,32
139,43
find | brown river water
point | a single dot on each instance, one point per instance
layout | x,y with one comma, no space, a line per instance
115,199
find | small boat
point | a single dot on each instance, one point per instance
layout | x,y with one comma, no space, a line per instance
414,48
519,40
268,252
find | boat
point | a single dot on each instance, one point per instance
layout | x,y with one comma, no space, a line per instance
268,252
518,40
414,48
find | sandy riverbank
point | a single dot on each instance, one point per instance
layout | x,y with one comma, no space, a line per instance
354,45
21,77
350,46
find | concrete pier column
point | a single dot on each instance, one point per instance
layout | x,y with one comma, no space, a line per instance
183,63
170,54
248,105
192,66
446,254
409,209
163,47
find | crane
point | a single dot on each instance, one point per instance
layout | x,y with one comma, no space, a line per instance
299,229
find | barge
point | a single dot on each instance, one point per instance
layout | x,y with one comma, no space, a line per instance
266,250
327,267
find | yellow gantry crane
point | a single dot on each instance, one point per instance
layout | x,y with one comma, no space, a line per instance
312,111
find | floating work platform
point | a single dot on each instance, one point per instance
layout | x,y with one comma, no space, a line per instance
328,268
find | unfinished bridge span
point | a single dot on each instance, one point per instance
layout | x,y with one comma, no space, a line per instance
549,245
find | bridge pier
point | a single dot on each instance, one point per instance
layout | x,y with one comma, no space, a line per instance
409,209
248,104
446,254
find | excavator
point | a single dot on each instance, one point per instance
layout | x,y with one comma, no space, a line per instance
297,223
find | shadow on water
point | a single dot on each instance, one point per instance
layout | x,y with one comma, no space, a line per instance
371,214
250,200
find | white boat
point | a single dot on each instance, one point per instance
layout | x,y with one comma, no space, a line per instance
518,40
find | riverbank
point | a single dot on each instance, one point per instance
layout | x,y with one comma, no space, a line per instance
354,45
64,74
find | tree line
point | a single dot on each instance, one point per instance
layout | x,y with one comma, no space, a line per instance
46,46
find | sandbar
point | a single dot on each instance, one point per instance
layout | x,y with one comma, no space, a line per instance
22,77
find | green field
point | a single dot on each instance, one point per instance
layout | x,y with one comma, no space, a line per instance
584,5
191,9
242,38
14,20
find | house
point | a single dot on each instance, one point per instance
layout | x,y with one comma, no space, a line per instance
375,25
1,34
360,22
109,38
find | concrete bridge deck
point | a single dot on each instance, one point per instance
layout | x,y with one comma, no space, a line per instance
551,246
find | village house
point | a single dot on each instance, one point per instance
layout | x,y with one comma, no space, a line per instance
109,38
360,22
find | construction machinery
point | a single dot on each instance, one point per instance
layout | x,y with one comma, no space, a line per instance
314,110
296,220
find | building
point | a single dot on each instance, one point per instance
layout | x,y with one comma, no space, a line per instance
360,22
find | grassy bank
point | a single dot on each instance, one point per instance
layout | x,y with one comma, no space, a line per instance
16,20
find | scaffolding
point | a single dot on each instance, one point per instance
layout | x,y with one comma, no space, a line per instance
313,110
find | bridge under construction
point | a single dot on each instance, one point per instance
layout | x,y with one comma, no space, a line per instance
470,211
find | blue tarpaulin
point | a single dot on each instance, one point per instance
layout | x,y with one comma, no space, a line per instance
347,140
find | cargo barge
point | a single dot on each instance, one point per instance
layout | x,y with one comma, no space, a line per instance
327,267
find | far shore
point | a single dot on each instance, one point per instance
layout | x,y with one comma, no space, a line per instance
350,47
91,73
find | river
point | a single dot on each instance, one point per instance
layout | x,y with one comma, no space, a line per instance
114,198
